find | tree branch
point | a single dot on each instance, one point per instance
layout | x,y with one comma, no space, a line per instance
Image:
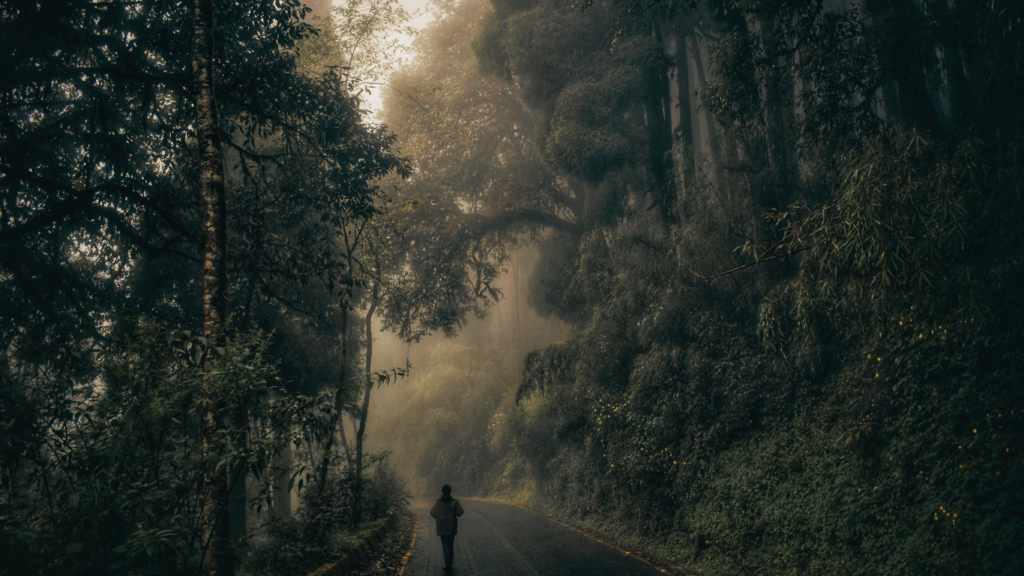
754,263
482,225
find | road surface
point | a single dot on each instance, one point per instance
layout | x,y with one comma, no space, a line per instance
501,540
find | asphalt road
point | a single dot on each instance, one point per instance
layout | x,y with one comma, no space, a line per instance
498,539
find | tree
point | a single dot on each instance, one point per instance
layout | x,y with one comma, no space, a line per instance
479,186
101,178
217,559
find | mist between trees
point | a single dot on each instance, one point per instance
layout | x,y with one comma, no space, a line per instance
737,281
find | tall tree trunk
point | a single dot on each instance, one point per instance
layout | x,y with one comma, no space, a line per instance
365,409
719,157
237,495
336,425
281,468
684,131
779,119
658,110
957,87
897,27
890,100
217,558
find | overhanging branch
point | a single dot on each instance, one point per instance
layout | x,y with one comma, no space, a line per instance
754,263
483,225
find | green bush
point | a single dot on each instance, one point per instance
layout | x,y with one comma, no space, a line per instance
385,492
323,530
100,467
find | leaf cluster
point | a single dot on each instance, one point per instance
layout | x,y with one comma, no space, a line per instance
106,476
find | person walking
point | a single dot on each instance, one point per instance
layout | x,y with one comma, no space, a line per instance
446,511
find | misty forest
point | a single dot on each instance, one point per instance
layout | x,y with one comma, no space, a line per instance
736,282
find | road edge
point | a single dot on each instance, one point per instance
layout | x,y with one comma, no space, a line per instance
369,548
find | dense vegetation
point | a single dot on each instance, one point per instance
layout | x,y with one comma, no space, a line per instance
779,242
183,189
786,235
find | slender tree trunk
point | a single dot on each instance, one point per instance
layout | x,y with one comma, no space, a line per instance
684,132
890,100
722,184
212,187
217,558
345,445
900,55
337,423
237,497
282,471
780,118
368,387
658,109
957,87
735,23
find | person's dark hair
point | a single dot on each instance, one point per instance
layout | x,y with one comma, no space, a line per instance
446,489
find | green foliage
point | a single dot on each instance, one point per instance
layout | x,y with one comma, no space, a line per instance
360,38
786,499
102,464
478,187
99,172
916,478
584,77
643,417
919,229
887,399
323,530
588,136
644,391
290,548
105,475
840,393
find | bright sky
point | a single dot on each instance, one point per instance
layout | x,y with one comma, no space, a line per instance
374,102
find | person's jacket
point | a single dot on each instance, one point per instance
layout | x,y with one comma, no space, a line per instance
447,511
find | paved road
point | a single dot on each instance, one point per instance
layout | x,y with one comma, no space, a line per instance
501,540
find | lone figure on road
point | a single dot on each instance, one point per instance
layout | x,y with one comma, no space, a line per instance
446,511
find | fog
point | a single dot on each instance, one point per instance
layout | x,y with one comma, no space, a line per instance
443,369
